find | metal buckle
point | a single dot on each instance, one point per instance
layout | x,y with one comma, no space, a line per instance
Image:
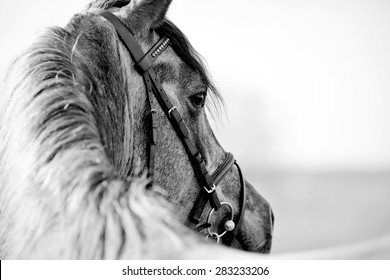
171,110
211,190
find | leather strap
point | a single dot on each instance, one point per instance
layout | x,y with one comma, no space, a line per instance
143,63
125,34
178,124
221,171
153,129
201,200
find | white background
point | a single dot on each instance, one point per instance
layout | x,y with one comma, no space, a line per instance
306,82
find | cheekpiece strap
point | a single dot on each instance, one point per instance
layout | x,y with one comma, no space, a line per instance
143,63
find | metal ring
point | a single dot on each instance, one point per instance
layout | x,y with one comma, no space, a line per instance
211,190
209,216
215,235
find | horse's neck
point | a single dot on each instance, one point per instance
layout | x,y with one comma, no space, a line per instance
118,99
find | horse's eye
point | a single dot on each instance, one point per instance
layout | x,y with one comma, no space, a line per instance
198,99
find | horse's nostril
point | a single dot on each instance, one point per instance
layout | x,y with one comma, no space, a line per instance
265,246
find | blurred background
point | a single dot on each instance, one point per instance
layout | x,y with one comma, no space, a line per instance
307,92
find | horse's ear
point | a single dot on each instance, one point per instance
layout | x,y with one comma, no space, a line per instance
144,15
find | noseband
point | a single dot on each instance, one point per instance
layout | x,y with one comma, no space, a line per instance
207,182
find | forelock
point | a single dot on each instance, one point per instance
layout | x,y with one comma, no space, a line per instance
193,59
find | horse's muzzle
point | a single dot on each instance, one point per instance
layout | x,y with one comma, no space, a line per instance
255,234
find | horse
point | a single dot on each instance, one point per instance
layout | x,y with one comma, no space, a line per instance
76,180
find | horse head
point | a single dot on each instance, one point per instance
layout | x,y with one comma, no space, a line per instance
189,90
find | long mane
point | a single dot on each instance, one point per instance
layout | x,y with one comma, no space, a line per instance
61,194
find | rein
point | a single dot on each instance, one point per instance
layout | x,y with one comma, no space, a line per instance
207,182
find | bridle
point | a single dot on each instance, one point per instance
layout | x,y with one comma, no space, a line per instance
208,183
